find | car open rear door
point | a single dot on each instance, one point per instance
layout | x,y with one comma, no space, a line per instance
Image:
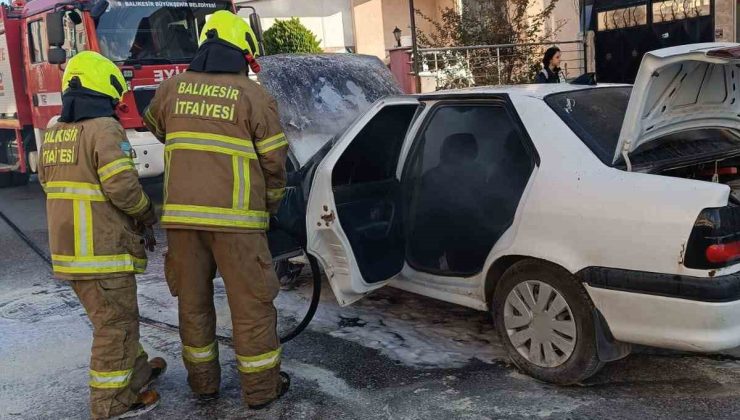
353,222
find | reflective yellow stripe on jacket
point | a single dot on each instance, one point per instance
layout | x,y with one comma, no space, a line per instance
242,151
83,225
115,168
64,190
104,264
140,206
262,362
214,216
84,261
271,143
148,117
207,142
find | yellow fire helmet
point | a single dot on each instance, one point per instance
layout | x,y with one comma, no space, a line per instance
95,73
231,29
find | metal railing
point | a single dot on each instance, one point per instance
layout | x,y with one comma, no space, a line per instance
501,64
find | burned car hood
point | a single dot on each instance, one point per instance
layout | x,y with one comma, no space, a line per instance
682,88
318,96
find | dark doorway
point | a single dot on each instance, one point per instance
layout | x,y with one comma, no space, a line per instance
626,30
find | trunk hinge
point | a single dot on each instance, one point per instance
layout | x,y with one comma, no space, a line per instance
627,161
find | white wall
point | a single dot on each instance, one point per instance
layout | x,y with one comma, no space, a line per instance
330,20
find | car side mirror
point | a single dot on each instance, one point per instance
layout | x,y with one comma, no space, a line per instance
57,55
256,24
55,28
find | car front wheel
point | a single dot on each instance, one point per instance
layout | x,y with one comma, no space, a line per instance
545,320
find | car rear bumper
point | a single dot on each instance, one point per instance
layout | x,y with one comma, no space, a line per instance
669,311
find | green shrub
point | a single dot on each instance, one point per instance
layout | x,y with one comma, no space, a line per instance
290,36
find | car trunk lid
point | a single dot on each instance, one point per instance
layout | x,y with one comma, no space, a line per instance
682,88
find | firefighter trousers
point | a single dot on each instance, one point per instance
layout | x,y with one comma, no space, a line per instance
245,263
118,364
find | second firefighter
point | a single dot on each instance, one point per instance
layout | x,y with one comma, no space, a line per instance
224,175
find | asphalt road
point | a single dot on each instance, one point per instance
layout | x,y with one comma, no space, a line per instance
395,356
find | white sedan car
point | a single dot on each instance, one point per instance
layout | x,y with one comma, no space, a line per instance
585,218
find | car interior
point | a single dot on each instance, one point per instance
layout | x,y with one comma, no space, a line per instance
462,186
459,192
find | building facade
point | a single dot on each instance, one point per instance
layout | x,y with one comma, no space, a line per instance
375,21
362,26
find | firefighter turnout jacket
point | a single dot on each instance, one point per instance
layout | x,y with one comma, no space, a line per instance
224,152
93,200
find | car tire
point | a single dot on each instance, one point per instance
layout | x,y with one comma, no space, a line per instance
288,273
548,343
20,179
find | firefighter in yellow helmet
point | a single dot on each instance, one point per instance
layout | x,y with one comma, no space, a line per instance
96,212
224,175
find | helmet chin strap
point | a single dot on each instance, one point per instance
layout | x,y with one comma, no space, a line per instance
253,64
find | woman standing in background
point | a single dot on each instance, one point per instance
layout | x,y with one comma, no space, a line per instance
551,72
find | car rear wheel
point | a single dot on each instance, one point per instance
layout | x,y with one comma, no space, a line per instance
545,320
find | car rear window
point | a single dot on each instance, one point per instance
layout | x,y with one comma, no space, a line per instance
595,115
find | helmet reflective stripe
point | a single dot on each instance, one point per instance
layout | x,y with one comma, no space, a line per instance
95,73
232,30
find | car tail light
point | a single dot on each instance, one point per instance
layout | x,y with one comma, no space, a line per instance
715,239
720,253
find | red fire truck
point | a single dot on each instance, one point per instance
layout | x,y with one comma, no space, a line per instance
150,40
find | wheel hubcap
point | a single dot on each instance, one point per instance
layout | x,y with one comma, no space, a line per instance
540,324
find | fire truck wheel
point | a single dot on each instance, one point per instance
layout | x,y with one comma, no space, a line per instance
6,179
19,178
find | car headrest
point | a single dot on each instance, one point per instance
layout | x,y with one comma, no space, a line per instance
458,148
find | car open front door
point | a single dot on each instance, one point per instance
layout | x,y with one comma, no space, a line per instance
354,215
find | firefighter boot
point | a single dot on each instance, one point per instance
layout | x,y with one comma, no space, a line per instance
282,390
146,402
158,366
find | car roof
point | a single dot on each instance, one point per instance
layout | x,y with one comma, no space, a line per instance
532,90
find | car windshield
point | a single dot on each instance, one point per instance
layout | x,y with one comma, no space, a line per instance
595,115
149,32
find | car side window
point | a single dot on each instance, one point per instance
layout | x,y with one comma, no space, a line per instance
373,154
465,178
37,43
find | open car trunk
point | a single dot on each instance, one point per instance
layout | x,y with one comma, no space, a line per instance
679,89
318,96
725,171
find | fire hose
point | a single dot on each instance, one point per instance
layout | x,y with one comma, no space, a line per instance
315,296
